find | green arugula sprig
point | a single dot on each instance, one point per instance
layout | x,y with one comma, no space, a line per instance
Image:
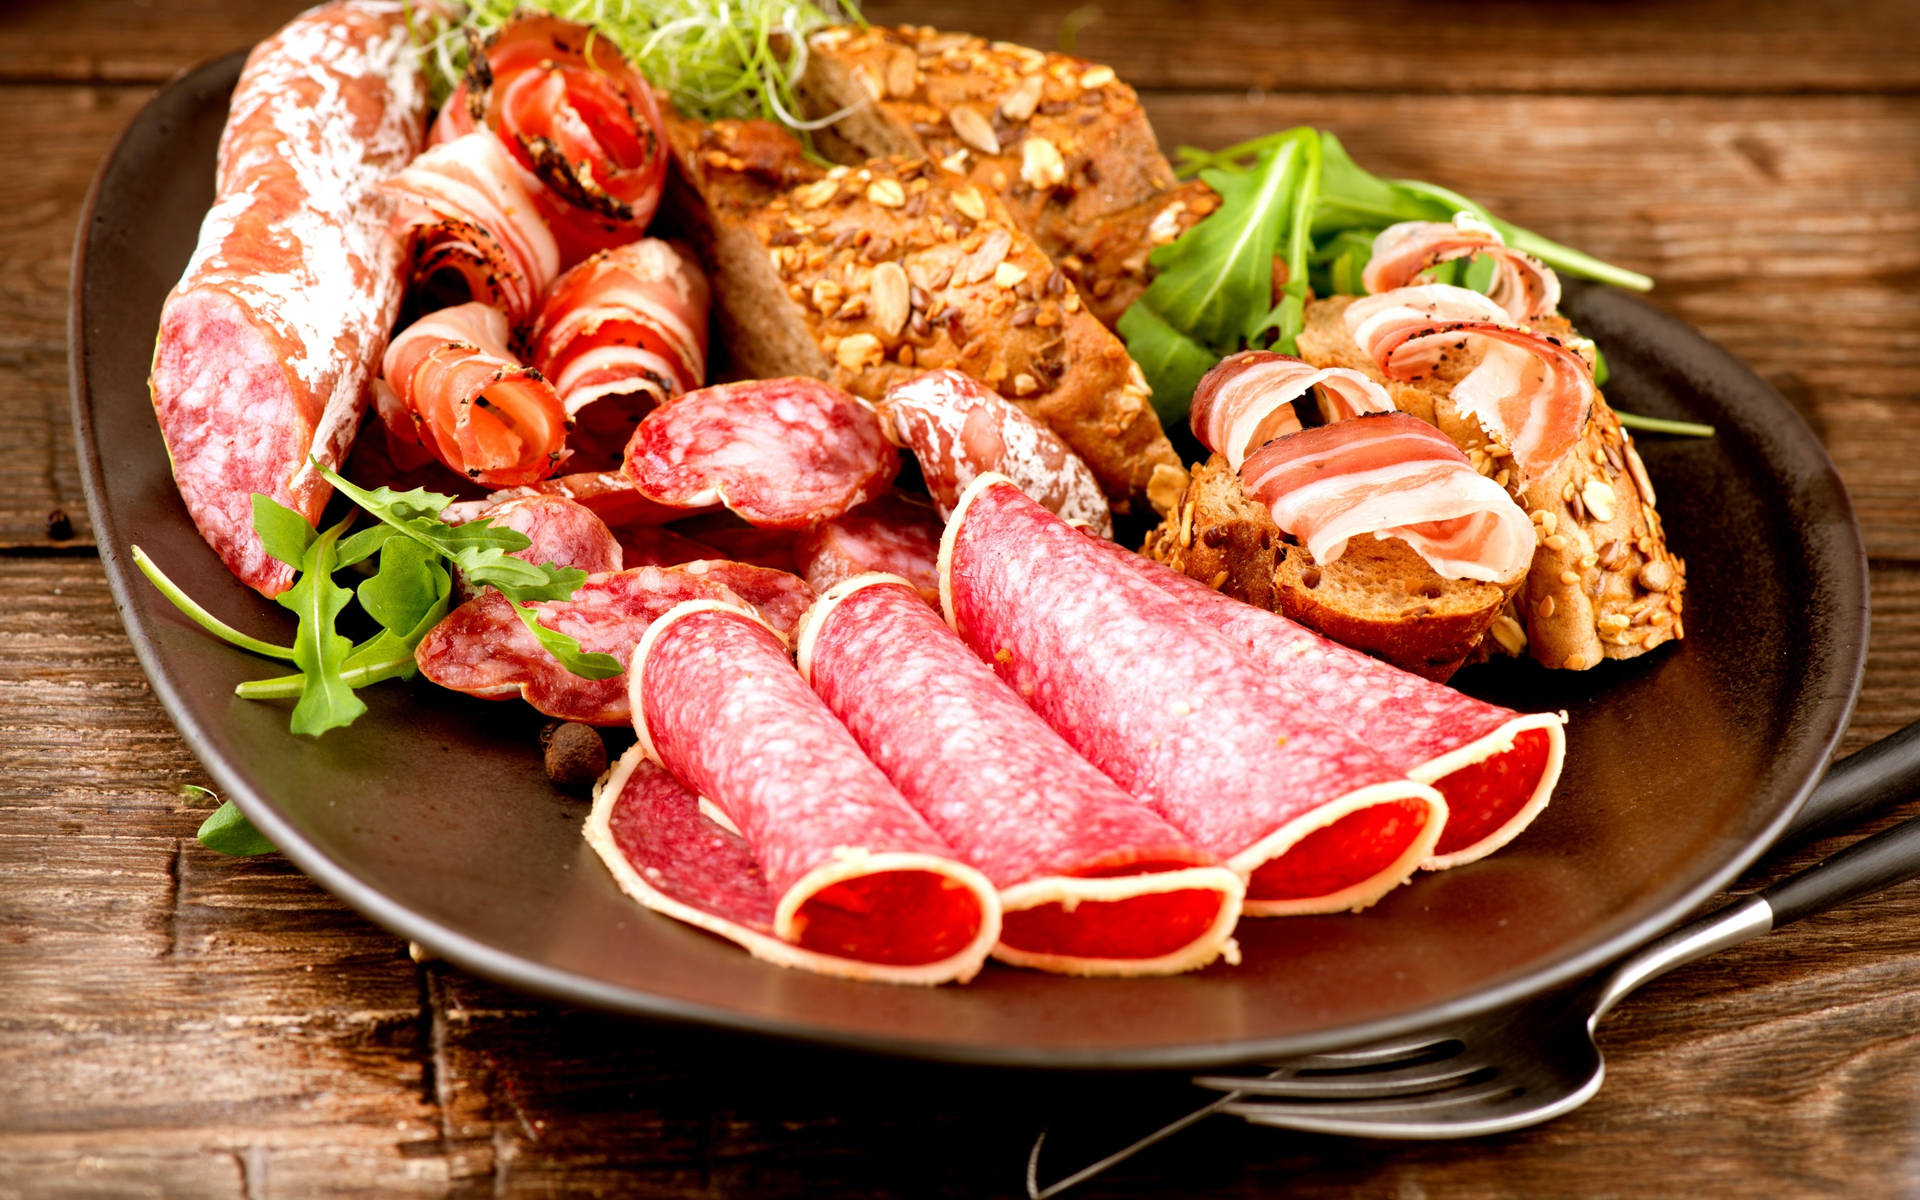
1298,196
406,596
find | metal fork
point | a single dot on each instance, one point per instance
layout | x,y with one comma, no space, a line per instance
1536,1060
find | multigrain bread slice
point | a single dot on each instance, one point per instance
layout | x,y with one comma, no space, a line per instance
867,276
1604,583
1062,141
1379,596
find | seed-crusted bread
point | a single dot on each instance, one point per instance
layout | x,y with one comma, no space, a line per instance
1603,583
866,276
1379,596
1061,140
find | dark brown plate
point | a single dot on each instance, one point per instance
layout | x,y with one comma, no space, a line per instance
432,815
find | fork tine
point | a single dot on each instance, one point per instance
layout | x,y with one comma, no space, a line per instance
1414,1079
1432,1106
1378,1054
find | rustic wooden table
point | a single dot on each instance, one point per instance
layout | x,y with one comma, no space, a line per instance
175,1023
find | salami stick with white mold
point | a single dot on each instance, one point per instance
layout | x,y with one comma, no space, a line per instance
1142,685
859,875
1496,768
268,343
1092,882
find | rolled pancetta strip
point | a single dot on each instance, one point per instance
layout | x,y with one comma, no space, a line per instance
958,428
473,229
577,117
463,397
267,344
1524,287
1530,390
858,877
1248,400
1147,690
619,333
1092,882
1391,475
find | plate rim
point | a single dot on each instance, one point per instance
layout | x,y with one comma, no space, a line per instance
482,959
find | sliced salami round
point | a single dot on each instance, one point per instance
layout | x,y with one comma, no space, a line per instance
1144,688
562,532
665,852
610,494
1092,882
782,453
780,597
484,650
857,873
894,535
1496,768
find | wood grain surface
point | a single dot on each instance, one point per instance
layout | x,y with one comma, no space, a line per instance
178,1024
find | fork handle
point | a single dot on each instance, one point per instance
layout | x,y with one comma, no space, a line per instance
1889,857
1863,781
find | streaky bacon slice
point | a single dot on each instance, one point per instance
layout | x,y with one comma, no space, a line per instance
619,333
1248,400
472,226
1530,390
578,117
460,394
1391,475
1523,286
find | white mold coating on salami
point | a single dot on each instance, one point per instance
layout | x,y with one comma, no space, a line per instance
1148,692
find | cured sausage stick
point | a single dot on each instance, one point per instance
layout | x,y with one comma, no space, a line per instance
268,342
1144,686
1092,882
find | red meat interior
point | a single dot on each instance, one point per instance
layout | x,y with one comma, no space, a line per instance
1484,796
1145,926
898,918
1354,848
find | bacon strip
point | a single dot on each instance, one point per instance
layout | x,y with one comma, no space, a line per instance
1248,400
1523,286
474,229
578,118
1391,475
1530,390
469,401
619,333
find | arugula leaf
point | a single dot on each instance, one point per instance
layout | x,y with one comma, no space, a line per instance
479,548
227,831
326,702
200,616
410,591
1172,362
586,664
283,533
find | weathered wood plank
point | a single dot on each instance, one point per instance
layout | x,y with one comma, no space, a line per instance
1723,46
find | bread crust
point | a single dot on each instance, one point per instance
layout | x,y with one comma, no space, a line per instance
867,276
1379,596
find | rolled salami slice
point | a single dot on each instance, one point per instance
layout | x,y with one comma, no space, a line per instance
894,535
268,342
1139,683
1496,768
462,396
473,231
577,117
618,334
562,532
957,427
663,850
1248,400
856,871
1092,882
781,453
483,649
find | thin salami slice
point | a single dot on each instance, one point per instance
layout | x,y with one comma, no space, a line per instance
894,535
650,831
610,494
1144,688
958,427
269,340
562,532
857,872
1496,768
618,334
780,597
782,453
1092,882
484,650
